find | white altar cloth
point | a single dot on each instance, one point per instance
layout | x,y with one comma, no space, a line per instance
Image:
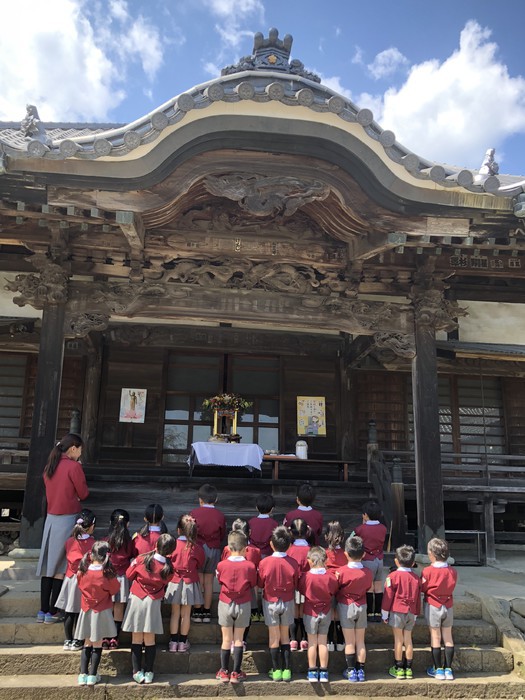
224,454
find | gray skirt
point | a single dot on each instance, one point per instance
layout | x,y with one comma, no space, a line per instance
143,615
123,595
95,625
70,596
57,529
182,593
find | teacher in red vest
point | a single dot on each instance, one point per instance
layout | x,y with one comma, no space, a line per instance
66,486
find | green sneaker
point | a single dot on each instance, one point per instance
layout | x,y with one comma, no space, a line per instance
287,675
276,675
408,674
398,673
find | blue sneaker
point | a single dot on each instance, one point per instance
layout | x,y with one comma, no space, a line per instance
40,616
449,676
437,673
361,675
350,674
312,676
82,678
323,676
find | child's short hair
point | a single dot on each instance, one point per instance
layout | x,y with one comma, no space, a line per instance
281,539
305,494
372,509
355,548
240,525
439,548
317,556
208,494
265,503
237,541
405,555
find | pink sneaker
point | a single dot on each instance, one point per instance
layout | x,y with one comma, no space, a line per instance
304,645
173,646
183,646
294,645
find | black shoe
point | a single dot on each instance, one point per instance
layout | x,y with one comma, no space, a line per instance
76,645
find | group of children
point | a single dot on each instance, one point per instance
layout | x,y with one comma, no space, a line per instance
311,597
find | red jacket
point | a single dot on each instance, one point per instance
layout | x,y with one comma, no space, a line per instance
438,584
278,577
237,578
145,583
187,560
402,592
144,544
373,537
354,582
261,532
299,552
252,554
66,488
122,558
313,518
97,590
75,550
318,590
335,558
211,526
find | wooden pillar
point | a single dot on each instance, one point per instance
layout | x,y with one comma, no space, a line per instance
429,483
45,421
91,397
488,520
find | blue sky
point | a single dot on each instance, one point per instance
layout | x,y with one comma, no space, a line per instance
447,77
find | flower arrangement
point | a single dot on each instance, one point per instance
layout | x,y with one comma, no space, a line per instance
226,402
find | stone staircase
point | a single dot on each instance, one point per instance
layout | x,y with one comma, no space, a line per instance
33,665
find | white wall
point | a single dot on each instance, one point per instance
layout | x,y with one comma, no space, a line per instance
489,322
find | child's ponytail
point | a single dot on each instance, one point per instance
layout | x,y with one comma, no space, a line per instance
118,536
334,535
299,529
153,515
99,554
85,520
187,526
165,546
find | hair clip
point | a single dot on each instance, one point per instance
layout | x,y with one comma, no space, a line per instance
58,444
80,521
121,517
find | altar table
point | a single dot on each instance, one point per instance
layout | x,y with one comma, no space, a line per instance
225,454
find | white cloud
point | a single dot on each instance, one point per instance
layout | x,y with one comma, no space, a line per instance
386,63
232,16
452,111
357,58
334,83
75,68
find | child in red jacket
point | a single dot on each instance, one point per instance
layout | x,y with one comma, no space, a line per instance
318,585
334,537
439,581
304,510
278,578
401,606
262,526
98,583
298,550
184,589
77,545
149,575
237,577
373,534
154,526
354,581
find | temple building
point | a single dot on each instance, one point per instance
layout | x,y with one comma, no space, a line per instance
263,235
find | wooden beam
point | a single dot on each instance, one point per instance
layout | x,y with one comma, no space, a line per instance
375,243
358,350
132,226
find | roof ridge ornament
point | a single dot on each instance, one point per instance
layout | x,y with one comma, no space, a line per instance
272,54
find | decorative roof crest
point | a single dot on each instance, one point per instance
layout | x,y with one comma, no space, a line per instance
271,54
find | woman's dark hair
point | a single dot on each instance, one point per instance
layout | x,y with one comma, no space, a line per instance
118,534
299,529
99,554
153,515
62,446
187,526
334,535
165,546
86,518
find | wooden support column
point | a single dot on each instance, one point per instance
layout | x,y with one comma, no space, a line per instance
429,482
488,520
91,397
45,421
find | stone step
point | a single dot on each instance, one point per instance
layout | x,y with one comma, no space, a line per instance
24,630
205,659
37,687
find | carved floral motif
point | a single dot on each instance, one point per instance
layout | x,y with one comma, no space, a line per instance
432,309
37,290
400,344
80,324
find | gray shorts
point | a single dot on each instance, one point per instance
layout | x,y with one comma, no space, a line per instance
376,567
234,614
318,624
402,621
212,558
439,617
352,617
278,613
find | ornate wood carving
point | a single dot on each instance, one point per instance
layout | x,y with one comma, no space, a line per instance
399,344
263,195
80,324
433,310
50,286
